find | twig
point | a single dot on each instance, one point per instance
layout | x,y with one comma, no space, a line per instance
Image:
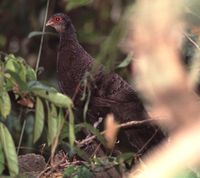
60,163
42,37
42,172
132,123
191,40
147,142
95,151
50,167
123,125
22,132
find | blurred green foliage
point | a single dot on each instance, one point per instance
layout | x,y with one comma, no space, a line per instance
72,4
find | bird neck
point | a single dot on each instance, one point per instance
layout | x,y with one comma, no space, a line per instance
68,48
69,34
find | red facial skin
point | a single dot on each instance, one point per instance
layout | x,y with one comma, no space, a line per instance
56,22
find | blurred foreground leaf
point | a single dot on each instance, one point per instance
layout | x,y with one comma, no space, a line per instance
72,4
186,174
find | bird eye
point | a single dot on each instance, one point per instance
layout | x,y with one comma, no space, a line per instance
57,19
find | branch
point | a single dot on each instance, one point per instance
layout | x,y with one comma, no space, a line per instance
120,126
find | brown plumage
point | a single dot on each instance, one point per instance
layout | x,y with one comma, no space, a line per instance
109,92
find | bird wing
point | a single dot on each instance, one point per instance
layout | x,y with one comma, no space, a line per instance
115,93
113,87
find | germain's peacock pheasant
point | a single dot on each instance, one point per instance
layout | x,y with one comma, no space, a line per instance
109,92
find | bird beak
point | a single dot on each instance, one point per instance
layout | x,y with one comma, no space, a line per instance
50,23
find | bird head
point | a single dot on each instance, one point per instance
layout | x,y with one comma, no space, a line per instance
59,21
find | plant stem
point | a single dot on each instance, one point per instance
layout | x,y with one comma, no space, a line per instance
22,133
42,38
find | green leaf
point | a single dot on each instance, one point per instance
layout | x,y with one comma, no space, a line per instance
2,159
72,4
125,157
39,119
11,64
1,80
77,172
56,98
55,125
82,154
71,128
65,130
49,93
52,124
22,72
30,74
16,65
83,172
9,150
5,104
39,33
16,78
9,56
38,86
69,171
9,82
61,121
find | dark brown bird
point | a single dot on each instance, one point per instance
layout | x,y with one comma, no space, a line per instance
109,92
